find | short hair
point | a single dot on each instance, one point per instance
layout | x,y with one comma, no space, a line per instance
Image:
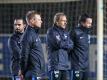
20,18
57,16
83,17
31,14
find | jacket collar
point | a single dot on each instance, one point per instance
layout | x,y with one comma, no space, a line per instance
86,30
36,29
17,33
59,28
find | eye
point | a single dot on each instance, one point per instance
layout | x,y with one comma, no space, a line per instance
19,24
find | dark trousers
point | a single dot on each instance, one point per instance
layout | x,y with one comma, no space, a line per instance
80,75
16,78
59,75
30,76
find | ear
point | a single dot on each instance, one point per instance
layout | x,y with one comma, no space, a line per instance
31,21
57,23
24,25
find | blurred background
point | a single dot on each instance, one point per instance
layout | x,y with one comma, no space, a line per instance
10,9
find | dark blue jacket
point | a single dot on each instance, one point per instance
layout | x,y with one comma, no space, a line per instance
32,57
80,52
59,44
14,47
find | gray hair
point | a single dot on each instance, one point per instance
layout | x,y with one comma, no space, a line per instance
57,16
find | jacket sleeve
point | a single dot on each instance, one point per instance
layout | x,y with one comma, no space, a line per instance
25,50
69,43
72,35
14,48
55,41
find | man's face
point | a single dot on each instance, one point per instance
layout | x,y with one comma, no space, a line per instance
88,23
19,25
62,22
37,22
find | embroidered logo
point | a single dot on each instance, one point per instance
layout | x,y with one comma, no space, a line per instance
65,36
81,37
58,37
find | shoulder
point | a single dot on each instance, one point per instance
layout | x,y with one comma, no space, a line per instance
78,31
12,40
52,31
27,35
12,37
28,32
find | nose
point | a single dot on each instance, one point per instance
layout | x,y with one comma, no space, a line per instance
65,22
90,24
17,26
41,21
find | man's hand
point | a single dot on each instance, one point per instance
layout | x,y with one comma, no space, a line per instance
20,75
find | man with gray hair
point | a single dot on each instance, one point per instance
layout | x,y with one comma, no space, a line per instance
59,45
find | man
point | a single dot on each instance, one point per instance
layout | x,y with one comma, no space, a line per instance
80,52
14,45
59,45
32,57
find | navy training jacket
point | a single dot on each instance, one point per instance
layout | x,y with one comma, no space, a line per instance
59,45
14,48
32,57
80,52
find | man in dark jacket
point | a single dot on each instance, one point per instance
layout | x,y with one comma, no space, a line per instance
32,57
80,52
14,45
59,45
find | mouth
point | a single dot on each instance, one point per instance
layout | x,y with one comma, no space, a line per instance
17,29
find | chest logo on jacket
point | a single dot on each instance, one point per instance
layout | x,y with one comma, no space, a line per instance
38,39
58,37
81,37
65,36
